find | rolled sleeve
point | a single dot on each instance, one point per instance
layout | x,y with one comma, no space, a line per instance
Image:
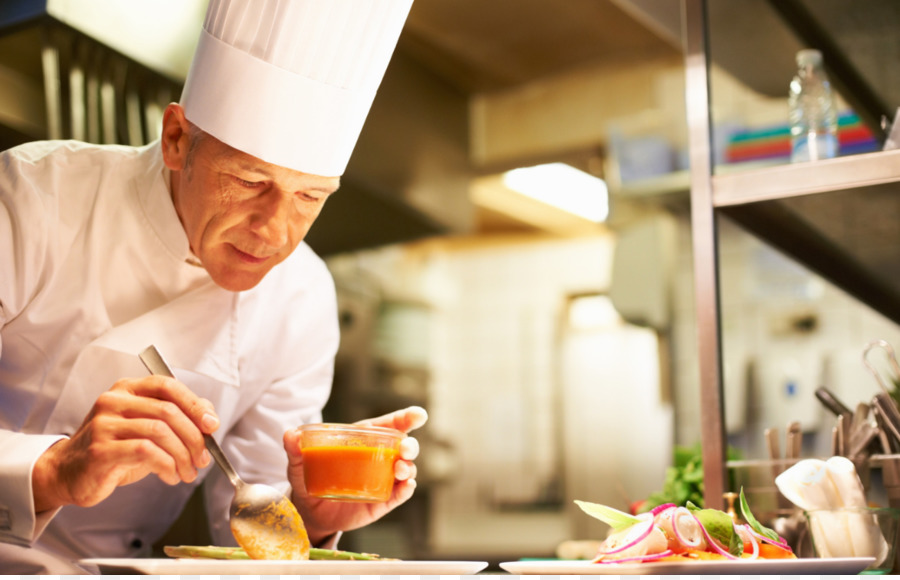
18,453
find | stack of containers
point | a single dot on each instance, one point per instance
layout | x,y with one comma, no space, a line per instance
773,143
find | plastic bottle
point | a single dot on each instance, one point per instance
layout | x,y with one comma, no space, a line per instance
813,116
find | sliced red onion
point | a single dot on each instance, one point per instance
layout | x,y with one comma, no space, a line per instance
681,538
715,546
780,542
637,540
602,560
661,508
751,535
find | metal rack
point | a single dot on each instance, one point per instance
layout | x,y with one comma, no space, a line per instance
800,209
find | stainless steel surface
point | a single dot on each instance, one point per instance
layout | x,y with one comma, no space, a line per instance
802,209
797,179
889,415
793,446
831,402
892,361
264,522
845,76
703,222
837,217
52,89
156,365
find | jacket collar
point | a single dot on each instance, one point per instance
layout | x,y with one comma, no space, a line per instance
155,197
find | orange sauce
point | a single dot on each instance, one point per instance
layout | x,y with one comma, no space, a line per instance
354,473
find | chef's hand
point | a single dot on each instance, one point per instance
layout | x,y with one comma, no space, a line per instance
323,517
138,427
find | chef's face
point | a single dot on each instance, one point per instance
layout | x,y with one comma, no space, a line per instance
242,215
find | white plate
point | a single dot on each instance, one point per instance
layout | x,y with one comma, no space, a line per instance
797,566
305,567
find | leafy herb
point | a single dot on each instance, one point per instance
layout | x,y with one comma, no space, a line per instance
684,480
720,527
754,523
613,517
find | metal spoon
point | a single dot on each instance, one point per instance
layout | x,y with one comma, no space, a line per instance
264,522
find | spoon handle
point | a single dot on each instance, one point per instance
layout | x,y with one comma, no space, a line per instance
213,446
155,363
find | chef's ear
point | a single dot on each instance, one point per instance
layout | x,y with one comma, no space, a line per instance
175,137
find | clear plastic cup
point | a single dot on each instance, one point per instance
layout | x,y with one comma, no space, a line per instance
856,532
349,462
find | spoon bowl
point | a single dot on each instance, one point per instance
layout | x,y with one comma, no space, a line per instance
264,522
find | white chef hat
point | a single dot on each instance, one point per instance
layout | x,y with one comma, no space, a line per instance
291,81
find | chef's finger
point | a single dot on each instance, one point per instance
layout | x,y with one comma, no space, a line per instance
153,435
404,470
200,410
409,448
403,420
291,441
403,490
143,456
90,478
168,412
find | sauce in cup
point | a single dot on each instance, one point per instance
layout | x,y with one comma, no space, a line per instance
349,462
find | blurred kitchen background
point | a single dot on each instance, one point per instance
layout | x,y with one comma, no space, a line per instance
555,352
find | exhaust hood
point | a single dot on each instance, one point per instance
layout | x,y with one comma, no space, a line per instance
103,71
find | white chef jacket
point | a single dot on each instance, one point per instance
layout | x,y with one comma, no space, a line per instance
94,267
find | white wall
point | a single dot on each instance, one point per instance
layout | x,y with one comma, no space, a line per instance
762,292
529,403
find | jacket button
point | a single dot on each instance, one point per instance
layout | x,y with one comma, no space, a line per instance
136,543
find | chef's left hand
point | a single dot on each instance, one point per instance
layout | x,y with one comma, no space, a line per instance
323,518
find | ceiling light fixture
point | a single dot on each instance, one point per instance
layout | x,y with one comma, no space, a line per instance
563,187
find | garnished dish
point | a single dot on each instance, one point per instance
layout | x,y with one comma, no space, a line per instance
237,553
673,533
234,560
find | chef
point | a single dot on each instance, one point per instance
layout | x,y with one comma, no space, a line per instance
193,244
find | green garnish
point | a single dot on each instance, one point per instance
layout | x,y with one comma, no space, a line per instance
720,527
754,523
611,516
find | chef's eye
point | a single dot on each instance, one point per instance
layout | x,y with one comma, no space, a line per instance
247,184
308,196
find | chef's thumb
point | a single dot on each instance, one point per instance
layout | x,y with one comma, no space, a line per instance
291,442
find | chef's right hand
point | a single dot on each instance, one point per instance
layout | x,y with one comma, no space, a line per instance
138,427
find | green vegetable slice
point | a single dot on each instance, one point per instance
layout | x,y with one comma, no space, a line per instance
754,523
616,519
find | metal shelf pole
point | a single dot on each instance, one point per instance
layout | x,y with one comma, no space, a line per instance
704,233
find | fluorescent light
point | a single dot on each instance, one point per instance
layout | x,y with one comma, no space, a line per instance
593,312
563,187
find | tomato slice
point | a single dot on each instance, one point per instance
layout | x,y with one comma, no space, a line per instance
773,552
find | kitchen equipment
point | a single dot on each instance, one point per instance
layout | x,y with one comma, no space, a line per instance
892,361
890,466
889,414
831,402
264,522
788,522
774,449
793,445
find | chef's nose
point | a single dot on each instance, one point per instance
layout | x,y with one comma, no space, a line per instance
272,218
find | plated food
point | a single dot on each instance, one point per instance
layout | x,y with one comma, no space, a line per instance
237,553
219,560
689,533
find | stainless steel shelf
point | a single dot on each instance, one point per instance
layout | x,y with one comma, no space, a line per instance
837,217
785,181
840,217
